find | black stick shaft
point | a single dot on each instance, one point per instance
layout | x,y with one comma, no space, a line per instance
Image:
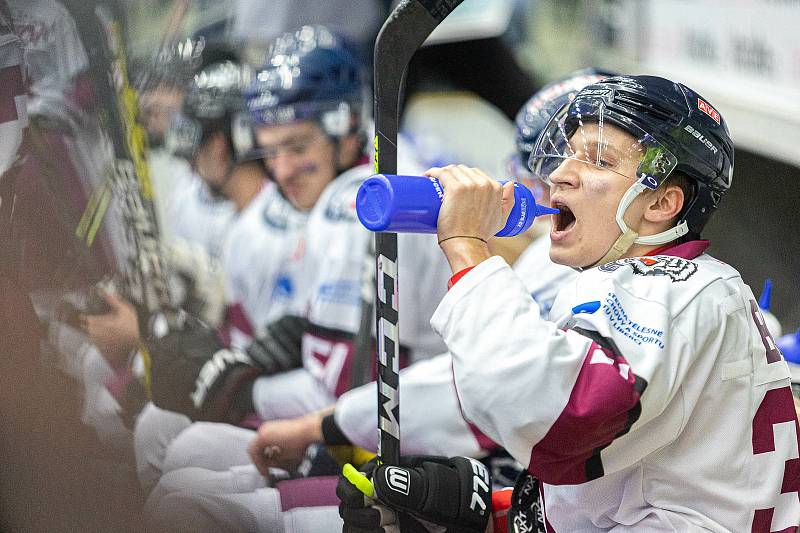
401,35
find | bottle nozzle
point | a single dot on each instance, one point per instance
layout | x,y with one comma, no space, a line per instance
544,210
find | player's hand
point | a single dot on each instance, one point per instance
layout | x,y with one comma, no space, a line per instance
116,333
474,208
283,443
423,495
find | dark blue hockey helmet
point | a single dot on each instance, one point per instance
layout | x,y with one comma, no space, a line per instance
676,130
535,114
310,75
214,102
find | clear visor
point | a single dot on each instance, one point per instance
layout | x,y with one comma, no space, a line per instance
519,172
584,135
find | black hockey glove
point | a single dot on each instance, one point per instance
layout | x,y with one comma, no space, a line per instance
279,349
426,494
193,374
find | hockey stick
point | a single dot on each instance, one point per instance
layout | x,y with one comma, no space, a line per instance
401,35
101,28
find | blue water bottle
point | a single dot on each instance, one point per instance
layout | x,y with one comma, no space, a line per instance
410,204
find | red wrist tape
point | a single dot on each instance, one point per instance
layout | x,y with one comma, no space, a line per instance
457,276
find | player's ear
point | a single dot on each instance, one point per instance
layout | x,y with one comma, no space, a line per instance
665,204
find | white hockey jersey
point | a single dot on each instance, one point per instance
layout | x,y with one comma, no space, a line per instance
657,401
196,216
430,417
260,257
336,248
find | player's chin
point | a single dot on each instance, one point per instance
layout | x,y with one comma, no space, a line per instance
562,253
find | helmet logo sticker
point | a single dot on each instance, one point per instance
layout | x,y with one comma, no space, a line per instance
700,137
651,182
703,106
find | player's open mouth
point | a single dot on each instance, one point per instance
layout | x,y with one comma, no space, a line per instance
564,220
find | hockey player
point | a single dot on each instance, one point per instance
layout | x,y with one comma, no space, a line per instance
432,422
307,108
657,400
228,182
214,131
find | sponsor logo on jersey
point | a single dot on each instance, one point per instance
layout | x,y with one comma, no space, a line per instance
702,138
283,289
632,329
704,106
340,291
341,207
398,479
675,268
35,33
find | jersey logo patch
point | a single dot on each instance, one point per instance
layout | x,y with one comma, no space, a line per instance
675,268
342,207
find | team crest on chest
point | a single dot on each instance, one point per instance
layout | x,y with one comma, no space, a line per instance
675,268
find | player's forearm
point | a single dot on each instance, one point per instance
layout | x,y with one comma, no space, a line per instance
464,252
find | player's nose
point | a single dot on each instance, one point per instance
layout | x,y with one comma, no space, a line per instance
567,175
283,166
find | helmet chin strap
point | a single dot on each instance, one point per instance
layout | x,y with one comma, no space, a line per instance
630,237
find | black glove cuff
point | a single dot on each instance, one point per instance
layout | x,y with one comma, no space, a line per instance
331,434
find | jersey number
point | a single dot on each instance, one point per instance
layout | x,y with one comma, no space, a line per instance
777,407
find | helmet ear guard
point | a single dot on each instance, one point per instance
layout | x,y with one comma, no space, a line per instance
337,122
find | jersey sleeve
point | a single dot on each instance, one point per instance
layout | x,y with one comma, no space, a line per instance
289,395
430,416
555,396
